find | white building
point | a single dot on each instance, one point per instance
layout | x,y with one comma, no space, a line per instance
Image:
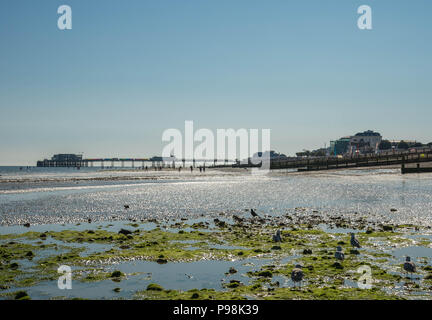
366,141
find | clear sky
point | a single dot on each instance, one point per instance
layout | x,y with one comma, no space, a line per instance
128,70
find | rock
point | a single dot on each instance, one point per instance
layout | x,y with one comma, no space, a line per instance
387,228
232,270
354,251
29,254
238,219
276,248
125,232
265,273
14,266
307,251
220,224
162,261
116,274
154,287
117,290
369,231
337,265
195,296
27,225
393,210
234,284
21,295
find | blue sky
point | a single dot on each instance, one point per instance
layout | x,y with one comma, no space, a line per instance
128,70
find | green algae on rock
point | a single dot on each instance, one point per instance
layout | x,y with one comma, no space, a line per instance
90,252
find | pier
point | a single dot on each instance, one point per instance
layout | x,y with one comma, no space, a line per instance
390,158
77,161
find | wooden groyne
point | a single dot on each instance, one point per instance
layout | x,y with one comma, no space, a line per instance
417,169
415,156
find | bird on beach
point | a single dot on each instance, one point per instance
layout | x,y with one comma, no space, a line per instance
409,266
339,254
354,242
277,237
253,213
297,274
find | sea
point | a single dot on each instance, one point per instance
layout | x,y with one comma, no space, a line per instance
68,195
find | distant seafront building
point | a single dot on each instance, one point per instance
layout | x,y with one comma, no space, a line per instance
362,142
259,156
62,160
365,142
67,157
340,147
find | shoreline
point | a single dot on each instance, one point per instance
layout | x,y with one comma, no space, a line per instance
148,255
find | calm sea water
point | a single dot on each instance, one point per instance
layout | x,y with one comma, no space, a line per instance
66,195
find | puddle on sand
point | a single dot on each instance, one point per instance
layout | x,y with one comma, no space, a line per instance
209,245
413,252
113,226
330,229
178,276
